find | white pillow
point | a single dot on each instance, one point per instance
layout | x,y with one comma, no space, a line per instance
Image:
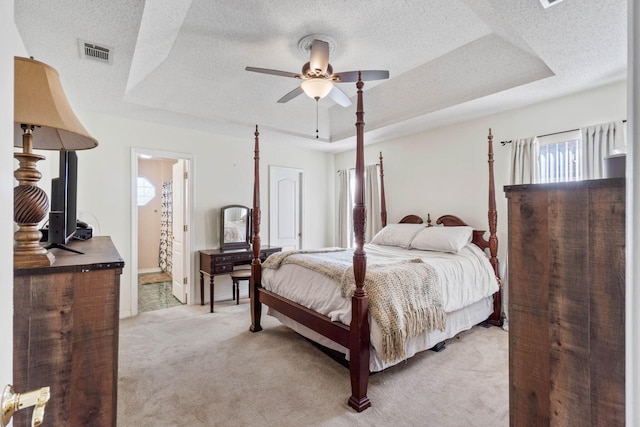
442,239
397,234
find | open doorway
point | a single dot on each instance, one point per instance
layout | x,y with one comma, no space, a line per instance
161,273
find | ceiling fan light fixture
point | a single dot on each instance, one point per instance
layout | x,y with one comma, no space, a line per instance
317,88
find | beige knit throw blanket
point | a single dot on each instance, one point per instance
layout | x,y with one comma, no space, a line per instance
405,296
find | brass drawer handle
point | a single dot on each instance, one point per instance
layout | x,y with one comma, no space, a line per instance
12,402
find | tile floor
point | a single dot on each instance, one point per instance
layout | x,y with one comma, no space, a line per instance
155,296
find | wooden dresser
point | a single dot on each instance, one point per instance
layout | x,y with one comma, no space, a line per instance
567,303
66,334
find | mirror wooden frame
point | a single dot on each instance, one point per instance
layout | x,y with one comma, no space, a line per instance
246,244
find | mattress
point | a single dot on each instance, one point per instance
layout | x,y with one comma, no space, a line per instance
467,284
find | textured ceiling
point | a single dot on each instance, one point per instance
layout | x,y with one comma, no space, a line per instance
182,62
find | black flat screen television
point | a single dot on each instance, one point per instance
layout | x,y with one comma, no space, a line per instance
64,192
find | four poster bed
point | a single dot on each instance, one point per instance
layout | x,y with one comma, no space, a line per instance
322,294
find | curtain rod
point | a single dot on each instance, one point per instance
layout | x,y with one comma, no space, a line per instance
548,134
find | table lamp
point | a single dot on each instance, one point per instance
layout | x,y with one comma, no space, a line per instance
43,120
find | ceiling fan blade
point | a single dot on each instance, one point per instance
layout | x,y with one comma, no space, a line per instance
367,75
339,97
319,57
273,72
288,97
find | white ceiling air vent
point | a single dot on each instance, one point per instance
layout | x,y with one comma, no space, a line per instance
96,52
549,3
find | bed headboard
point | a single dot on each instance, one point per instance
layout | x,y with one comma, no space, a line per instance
411,219
415,219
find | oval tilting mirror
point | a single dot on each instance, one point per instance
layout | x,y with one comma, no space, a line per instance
235,227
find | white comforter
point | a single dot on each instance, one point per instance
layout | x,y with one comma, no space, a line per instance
465,277
467,281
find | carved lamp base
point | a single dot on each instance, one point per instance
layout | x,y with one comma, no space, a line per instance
30,206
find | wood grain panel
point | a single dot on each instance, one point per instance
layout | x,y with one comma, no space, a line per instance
528,368
93,352
568,308
607,298
66,335
566,303
529,232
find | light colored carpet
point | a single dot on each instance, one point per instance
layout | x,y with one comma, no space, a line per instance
184,366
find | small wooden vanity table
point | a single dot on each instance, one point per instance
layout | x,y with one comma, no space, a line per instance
216,262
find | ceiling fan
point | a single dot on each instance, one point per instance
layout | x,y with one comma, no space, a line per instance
318,76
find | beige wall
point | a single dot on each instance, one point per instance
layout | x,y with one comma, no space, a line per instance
222,174
156,172
444,171
11,46
437,172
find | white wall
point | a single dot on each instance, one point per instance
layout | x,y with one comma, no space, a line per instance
223,175
7,33
445,171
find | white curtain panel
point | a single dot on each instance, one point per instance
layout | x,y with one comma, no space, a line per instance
344,207
524,161
524,170
372,200
600,141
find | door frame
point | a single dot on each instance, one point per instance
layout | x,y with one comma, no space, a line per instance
190,272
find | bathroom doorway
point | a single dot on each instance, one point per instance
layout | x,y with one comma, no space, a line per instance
162,205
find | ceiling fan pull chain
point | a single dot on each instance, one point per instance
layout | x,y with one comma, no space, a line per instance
317,100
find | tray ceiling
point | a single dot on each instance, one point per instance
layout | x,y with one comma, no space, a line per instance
182,62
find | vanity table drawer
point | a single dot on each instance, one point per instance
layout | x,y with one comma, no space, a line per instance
242,257
222,259
212,262
265,254
222,268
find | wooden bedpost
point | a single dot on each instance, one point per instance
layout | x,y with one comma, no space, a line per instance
359,338
256,267
383,202
496,316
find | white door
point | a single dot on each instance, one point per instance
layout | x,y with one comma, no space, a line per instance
285,207
179,233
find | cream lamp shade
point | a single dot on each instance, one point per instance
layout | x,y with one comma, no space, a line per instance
317,88
39,100
43,120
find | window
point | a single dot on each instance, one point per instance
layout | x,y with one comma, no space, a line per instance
560,157
560,162
146,191
351,203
